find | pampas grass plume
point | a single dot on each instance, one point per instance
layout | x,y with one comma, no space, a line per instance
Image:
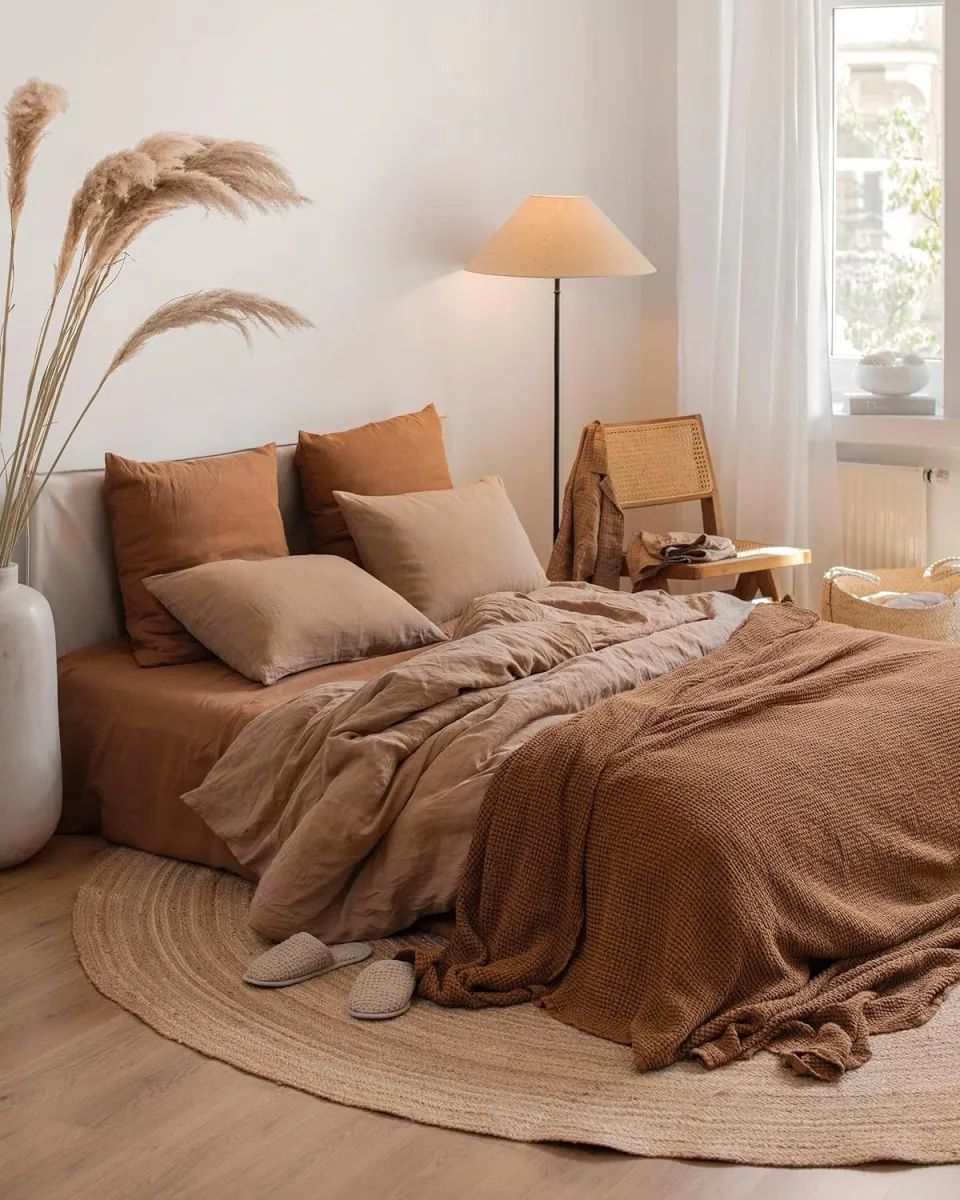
29,111
251,170
108,184
172,191
170,150
220,306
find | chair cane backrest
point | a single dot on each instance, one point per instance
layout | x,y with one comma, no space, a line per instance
652,463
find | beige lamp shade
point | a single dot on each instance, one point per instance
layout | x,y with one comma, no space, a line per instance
559,237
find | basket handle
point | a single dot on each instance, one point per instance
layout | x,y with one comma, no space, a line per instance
837,572
943,567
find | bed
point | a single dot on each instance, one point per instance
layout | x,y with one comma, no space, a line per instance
764,804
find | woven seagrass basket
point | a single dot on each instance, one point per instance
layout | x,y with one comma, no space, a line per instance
843,589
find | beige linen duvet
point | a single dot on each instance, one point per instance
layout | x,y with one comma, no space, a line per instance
354,804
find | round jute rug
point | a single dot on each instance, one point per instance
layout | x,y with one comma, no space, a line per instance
169,942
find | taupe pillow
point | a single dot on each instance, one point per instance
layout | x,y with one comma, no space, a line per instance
440,550
272,618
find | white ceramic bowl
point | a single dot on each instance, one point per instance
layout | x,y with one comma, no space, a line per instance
891,374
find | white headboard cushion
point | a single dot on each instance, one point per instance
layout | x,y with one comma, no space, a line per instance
69,554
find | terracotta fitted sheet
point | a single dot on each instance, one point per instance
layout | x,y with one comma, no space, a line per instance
134,739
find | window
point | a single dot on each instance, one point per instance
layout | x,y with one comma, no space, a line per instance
887,68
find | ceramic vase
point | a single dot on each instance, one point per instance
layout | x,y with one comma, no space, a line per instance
30,781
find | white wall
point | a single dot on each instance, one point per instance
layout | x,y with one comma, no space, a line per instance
658,68
417,128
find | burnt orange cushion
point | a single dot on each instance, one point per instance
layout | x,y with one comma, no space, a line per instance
170,515
385,458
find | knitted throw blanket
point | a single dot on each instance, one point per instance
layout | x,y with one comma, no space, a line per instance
759,850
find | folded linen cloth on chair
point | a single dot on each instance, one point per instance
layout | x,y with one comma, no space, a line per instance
650,553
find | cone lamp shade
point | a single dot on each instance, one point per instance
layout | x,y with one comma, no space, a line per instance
559,237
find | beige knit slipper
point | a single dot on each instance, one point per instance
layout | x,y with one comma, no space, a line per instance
302,957
382,991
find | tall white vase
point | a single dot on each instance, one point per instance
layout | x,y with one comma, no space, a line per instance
30,781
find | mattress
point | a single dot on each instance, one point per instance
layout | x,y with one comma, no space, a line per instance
134,740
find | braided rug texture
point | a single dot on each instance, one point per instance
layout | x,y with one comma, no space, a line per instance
169,942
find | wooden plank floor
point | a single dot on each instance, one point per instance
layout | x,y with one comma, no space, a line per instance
95,1104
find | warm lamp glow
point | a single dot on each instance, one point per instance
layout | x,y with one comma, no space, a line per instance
559,237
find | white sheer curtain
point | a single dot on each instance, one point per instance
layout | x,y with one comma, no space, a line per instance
753,309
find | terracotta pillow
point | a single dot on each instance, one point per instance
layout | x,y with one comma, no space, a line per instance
440,550
385,458
170,515
276,617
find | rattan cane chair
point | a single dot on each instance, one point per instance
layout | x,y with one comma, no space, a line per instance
652,463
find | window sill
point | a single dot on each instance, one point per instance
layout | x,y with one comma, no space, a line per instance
942,433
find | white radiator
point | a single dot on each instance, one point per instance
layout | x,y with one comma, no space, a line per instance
885,515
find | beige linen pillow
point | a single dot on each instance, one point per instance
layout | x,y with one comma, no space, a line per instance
272,618
440,550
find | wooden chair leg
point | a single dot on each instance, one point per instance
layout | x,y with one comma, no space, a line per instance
767,583
746,587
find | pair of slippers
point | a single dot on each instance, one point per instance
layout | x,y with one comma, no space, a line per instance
382,991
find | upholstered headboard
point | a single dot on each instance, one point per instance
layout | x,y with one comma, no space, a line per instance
67,553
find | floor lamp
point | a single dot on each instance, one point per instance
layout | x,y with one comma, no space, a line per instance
559,237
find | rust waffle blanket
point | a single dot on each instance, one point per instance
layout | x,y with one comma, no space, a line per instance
760,850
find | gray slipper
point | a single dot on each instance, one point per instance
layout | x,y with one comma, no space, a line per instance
302,957
382,991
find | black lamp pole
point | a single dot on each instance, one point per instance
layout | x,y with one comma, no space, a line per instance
556,408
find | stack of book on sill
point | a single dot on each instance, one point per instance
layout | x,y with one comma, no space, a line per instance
865,404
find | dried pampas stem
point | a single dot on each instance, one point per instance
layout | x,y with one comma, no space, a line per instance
29,111
119,198
172,191
170,151
221,306
41,419
252,171
110,183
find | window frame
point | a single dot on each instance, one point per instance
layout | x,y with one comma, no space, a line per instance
945,375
